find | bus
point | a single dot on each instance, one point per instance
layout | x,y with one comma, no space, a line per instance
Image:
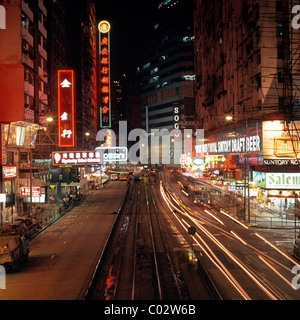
114,177
124,176
197,191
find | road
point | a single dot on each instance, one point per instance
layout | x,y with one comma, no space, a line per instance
242,261
63,257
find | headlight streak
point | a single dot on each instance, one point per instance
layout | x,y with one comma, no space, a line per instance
239,238
278,250
236,260
214,260
214,217
276,271
235,220
246,269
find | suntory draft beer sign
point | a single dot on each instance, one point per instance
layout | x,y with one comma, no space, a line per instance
66,108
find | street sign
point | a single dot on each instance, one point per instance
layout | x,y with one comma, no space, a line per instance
192,230
76,158
66,108
113,154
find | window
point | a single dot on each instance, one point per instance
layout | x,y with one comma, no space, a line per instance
279,6
280,52
280,77
279,30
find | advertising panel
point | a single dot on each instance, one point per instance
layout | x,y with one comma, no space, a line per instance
283,180
9,172
76,158
242,140
105,85
11,69
281,145
66,108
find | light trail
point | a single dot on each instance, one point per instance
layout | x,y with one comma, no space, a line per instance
276,271
235,220
278,250
236,260
230,255
214,217
239,238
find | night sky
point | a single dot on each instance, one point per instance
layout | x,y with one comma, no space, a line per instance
125,18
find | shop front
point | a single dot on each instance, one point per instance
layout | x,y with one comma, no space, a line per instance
278,191
9,176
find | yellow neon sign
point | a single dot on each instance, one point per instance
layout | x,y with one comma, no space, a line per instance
104,26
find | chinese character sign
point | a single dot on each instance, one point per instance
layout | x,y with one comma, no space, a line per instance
104,52
66,108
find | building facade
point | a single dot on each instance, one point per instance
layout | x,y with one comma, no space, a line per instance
246,66
167,69
81,56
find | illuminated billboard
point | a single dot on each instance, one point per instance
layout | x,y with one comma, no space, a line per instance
281,145
66,108
105,87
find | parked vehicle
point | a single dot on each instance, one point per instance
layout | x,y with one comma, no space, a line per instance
114,177
14,249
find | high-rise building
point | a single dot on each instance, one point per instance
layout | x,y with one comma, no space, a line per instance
243,52
247,100
81,45
167,69
23,42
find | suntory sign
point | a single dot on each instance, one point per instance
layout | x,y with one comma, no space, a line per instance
286,180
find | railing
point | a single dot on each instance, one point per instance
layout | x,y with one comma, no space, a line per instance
297,248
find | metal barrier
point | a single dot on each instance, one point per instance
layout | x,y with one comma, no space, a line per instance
297,248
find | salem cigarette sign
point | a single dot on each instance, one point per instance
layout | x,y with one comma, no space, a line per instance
287,181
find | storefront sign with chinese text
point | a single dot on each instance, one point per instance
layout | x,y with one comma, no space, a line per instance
76,158
105,89
66,108
25,191
9,172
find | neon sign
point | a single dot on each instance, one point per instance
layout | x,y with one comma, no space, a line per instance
105,90
66,108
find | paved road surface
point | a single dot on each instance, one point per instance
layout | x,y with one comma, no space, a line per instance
63,257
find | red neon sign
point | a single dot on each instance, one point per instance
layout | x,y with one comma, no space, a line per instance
104,51
66,108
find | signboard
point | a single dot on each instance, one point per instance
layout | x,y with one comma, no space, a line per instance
66,108
105,85
88,158
76,158
160,96
241,140
11,69
281,145
176,116
25,191
9,172
285,180
113,154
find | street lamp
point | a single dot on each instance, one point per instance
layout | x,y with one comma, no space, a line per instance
229,117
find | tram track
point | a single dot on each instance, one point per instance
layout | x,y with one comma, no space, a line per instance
138,264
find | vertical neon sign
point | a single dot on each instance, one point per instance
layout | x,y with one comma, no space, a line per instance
105,89
66,108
